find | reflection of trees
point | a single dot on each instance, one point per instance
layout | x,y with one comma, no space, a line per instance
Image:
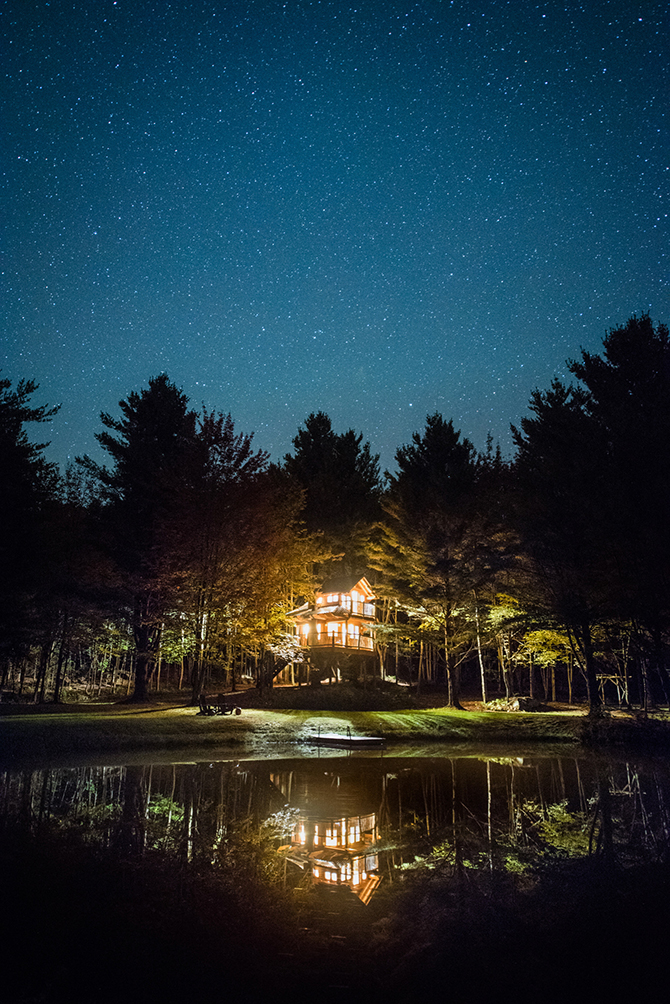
505,813
131,830
486,856
532,858
516,816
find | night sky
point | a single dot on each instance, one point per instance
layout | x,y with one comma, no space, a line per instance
376,209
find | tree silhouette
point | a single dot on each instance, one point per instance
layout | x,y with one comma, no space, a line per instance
629,399
561,476
435,549
27,484
150,451
341,483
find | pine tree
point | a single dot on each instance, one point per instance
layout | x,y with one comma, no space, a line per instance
27,485
436,548
340,478
151,447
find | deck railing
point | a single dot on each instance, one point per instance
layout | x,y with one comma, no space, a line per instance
362,643
353,606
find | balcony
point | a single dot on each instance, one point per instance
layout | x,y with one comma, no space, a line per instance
361,643
324,606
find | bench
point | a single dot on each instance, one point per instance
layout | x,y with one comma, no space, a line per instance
218,706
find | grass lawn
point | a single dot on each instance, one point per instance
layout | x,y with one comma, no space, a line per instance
116,732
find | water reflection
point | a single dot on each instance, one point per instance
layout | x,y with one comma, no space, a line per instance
335,850
412,853
347,820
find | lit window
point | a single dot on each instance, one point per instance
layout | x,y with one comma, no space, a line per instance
332,597
305,629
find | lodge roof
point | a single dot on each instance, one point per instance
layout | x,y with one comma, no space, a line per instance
344,584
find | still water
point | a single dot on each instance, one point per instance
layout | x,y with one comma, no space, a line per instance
361,877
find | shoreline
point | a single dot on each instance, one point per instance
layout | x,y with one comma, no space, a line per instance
38,738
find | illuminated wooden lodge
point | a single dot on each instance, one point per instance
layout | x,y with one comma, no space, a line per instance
342,617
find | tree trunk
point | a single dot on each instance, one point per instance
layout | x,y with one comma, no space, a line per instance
453,676
43,667
595,703
479,653
147,634
61,659
141,669
198,681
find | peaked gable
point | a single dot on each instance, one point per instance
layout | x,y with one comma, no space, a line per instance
347,584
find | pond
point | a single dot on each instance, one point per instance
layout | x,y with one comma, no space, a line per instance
348,877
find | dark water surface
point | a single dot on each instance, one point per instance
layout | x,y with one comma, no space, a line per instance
360,877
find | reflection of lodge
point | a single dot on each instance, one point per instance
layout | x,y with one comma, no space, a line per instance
336,851
342,617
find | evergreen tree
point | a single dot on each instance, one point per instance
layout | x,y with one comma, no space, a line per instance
151,447
437,544
561,480
593,476
629,399
27,486
215,527
341,483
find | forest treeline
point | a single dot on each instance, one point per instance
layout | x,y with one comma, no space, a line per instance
176,562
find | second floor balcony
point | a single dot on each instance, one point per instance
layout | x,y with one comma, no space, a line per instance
336,636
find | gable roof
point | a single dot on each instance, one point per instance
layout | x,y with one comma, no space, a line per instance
345,584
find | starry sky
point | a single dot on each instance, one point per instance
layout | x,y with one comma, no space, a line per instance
374,209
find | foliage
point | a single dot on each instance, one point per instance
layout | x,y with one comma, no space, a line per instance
599,546
189,540
439,545
27,485
340,480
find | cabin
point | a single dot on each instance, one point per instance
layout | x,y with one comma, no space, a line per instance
342,617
